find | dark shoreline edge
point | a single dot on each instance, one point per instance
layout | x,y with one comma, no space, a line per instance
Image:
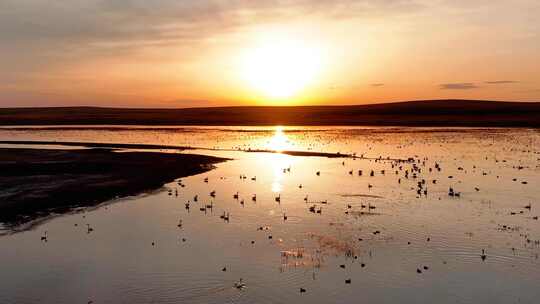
421,113
35,183
168,147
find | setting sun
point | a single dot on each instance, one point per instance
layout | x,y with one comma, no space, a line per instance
281,68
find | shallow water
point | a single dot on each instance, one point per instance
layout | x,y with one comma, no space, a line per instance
380,247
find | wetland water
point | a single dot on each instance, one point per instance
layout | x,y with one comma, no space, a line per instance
395,233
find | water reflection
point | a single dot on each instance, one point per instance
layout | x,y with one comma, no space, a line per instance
279,141
279,163
380,250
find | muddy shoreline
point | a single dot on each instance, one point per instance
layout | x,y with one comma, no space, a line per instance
169,147
35,183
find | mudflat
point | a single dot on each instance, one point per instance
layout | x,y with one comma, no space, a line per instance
37,182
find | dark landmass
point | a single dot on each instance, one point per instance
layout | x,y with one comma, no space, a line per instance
35,183
96,145
473,113
165,147
304,153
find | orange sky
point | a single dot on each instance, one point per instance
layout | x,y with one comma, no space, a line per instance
167,53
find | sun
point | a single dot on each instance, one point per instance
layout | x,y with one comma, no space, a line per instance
281,68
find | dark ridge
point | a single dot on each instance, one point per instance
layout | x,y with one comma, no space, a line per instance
36,183
473,113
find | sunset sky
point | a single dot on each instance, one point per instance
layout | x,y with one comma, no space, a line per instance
186,53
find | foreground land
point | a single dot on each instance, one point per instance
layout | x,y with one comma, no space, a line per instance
414,113
35,183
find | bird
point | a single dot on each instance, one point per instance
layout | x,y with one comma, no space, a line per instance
225,216
239,284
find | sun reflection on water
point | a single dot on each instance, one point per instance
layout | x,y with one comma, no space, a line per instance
278,162
279,141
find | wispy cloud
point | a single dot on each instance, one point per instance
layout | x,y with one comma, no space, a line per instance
376,85
36,34
458,86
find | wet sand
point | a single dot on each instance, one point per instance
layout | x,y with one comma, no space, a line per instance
37,182
471,113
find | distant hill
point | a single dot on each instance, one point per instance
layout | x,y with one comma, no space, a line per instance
411,113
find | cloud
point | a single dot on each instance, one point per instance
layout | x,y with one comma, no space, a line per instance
38,34
377,85
458,86
501,82
143,21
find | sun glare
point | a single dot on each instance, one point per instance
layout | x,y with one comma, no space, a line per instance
281,68
279,141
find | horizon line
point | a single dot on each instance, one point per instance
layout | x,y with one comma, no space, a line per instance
278,106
